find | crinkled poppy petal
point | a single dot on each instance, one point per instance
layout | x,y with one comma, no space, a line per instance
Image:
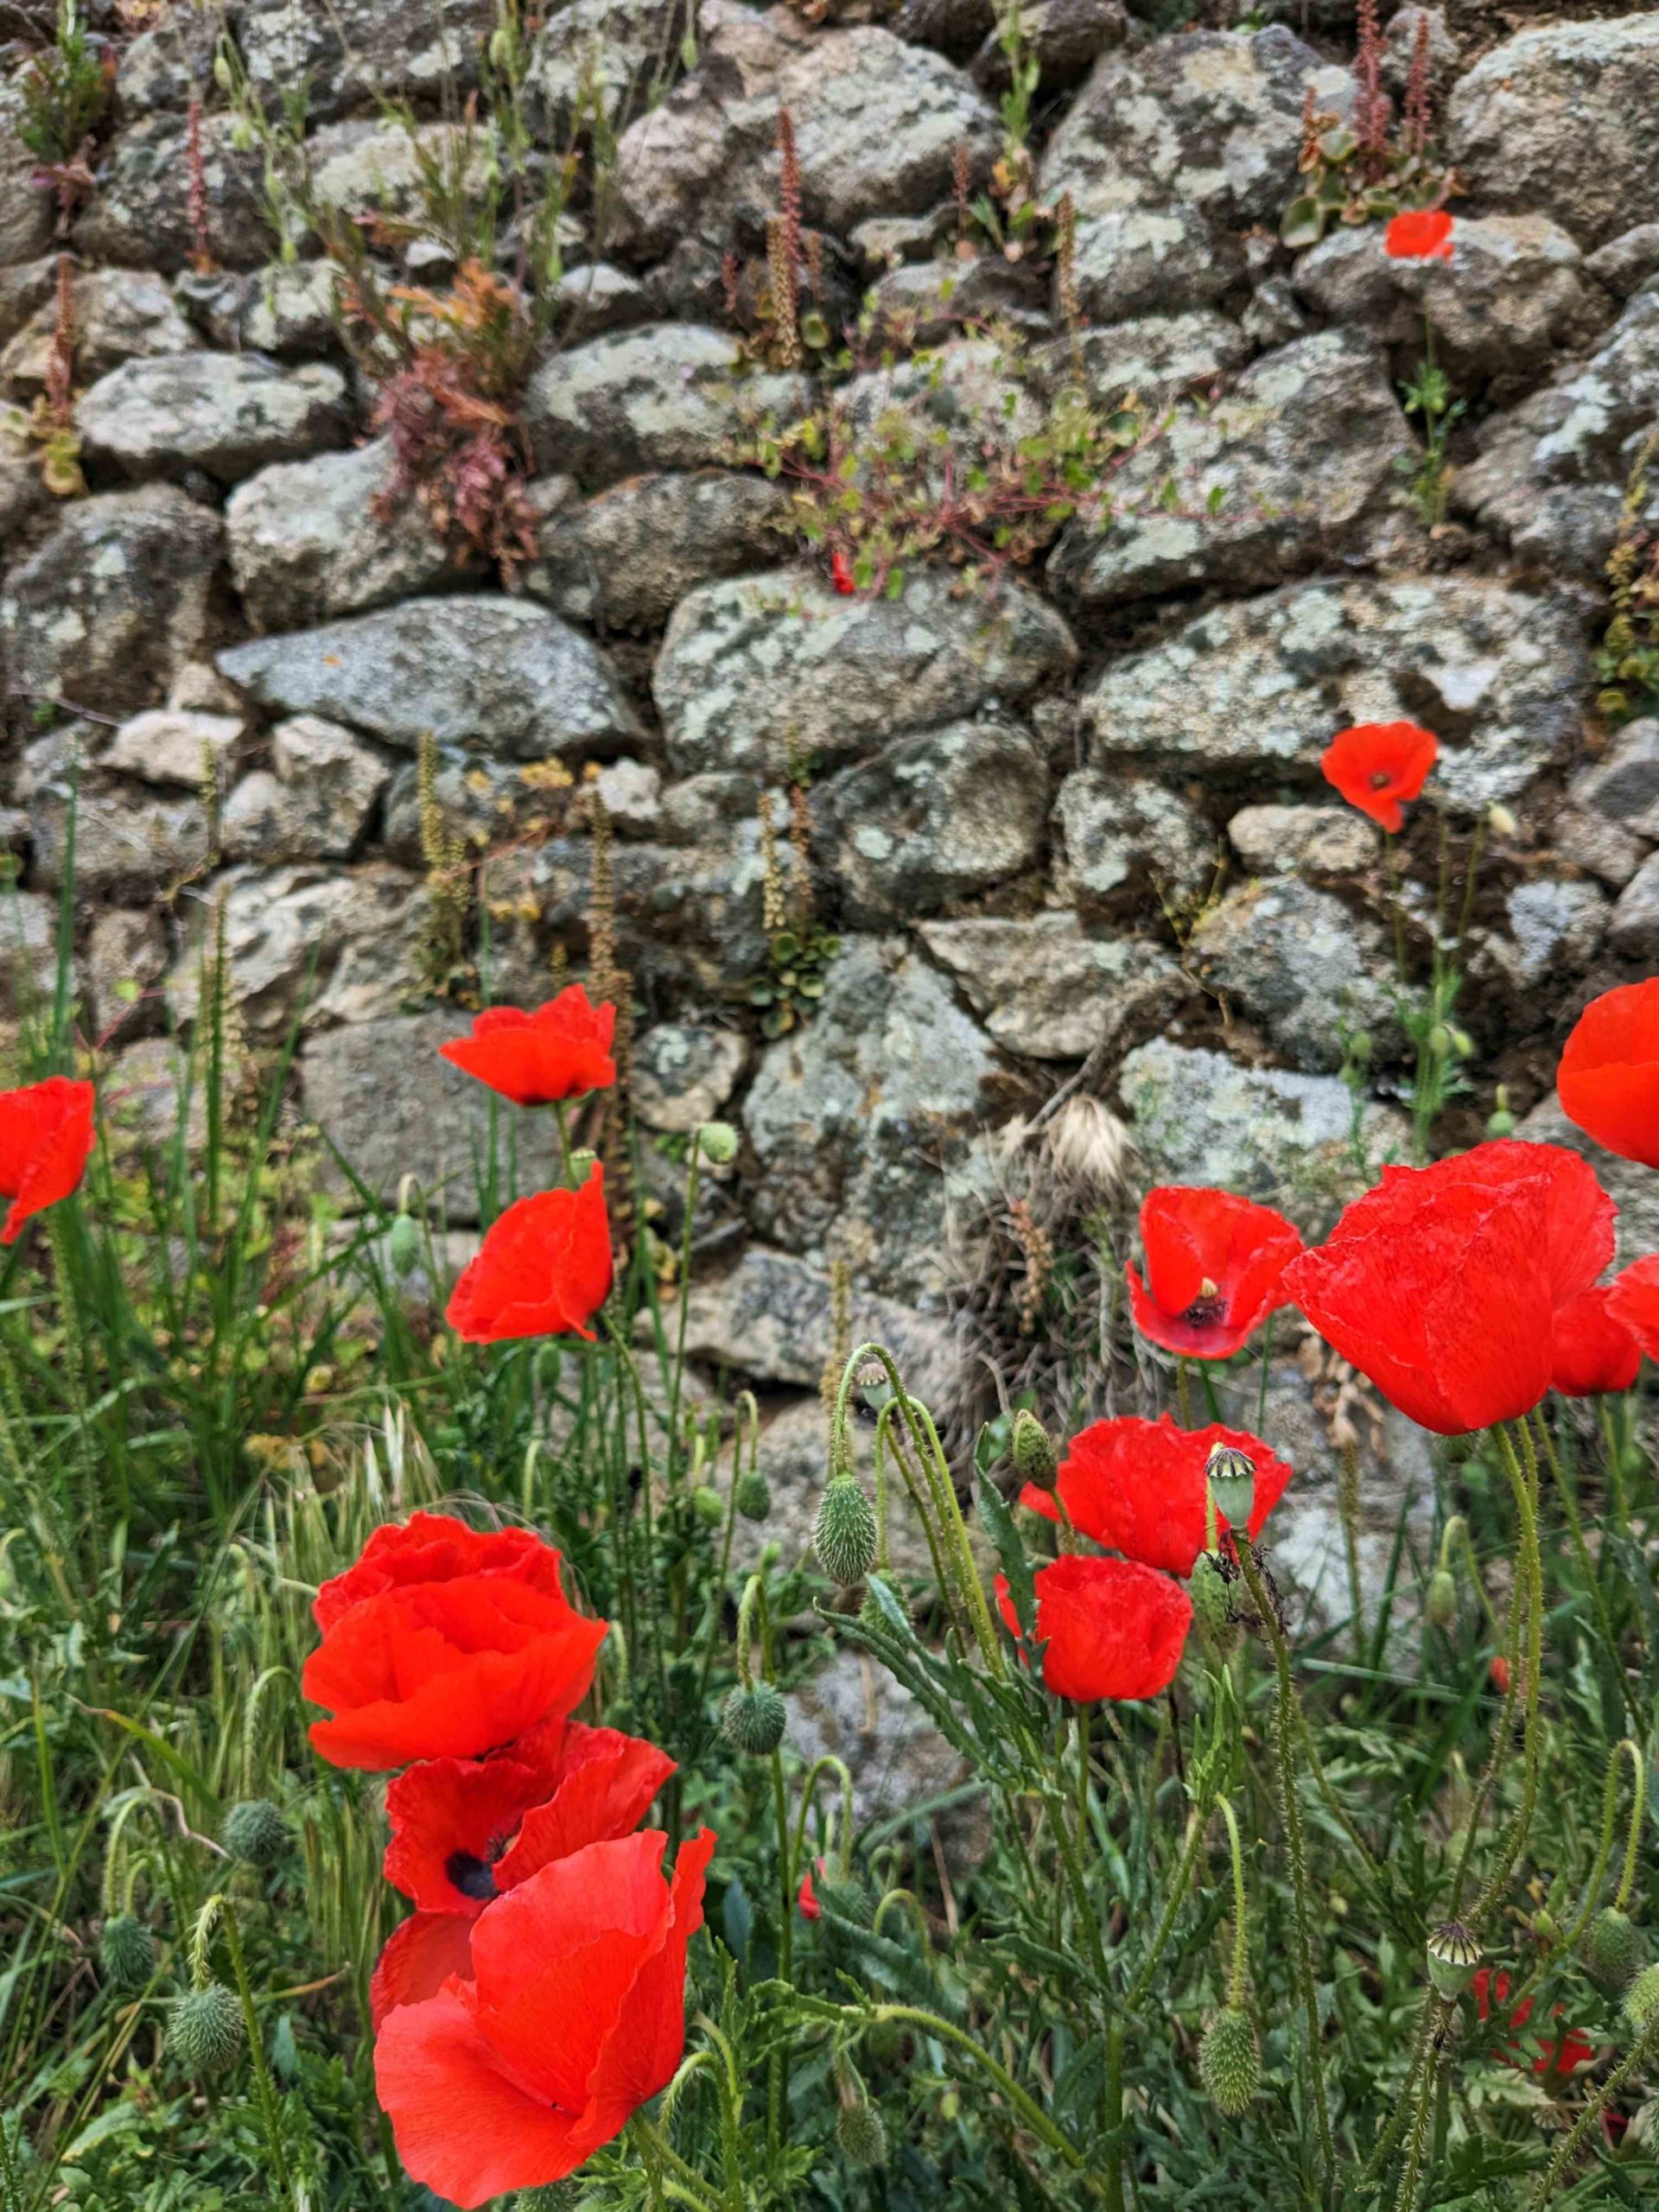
46,1140
464,2128
640,2054
420,1953
1141,1488
451,1821
1214,1262
545,1269
1375,766
1608,1079
1595,1353
1110,1627
559,1051
437,1547
1578,1215
1633,1302
604,1787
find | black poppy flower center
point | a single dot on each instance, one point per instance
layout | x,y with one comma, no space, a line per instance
1208,1309
1381,778
473,1876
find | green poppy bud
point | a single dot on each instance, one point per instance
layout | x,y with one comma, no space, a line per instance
207,2029
708,1505
1035,1460
126,1952
1453,1955
844,1535
753,1720
1613,1950
1213,1601
753,1496
717,1140
255,1832
223,75
1439,1041
1441,1603
1230,2062
861,2135
242,136
501,46
1462,1044
581,1165
1644,2000
403,1244
1232,1483
551,2197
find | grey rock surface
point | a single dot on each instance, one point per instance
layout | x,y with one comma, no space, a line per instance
121,315
381,1095
1050,990
227,414
1305,966
625,559
314,802
683,1072
312,539
1112,830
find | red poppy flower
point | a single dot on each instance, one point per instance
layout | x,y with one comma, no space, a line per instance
536,1060
1633,1303
1499,1671
841,575
1573,2050
1608,1080
575,2018
46,1139
544,1269
1420,234
1595,1352
442,1642
1213,1265
465,1831
807,1898
420,1953
1442,1285
1376,765
1110,1627
1139,1488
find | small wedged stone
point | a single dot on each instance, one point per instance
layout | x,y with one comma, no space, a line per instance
121,315
624,559
1050,990
226,414
1303,965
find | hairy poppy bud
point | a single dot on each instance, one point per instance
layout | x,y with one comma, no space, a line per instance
753,1496
1644,2000
1232,1483
718,1143
844,1535
207,2029
223,76
1212,1602
1035,1460
708,1505
1230,2062
255,1832
501,48
754,1719
403,1244
126,1952
1441,1604
1462,1044
861,2135
1453,1955
1613,1950
242,135
551,2197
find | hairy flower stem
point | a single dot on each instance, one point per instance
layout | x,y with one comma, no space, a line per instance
1637,2056
681,2181
1567,1942
1348,1506
1382,2150
684,1288
1587,1566
1439,2019
1291,1813
1521,1485
264,2094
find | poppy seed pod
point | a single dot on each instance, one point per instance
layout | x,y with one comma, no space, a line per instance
1230,2062
1035,1460
255,1832
717,1140
844,1535
1441,1604
1613,1950
1643,2003
861,2134
1232,1483
126,1952
207,2029
754,1719
1454,1955
753,1496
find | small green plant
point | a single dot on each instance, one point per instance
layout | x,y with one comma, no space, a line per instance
445,959
1428,396
798,952
1366,169
66,96
1627,661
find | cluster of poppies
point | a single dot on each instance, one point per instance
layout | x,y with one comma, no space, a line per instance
536,1996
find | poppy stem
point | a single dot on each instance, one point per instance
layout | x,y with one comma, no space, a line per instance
678,2179
1348,1508
1587,1565
264,2095
1291,1813
1531,1565
683,1285
1637,2056
1566,1944
1238,1979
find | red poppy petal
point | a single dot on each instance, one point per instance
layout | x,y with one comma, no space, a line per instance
1140,1487
605,1788
1111,1628
450,1819
46,1132
1595,1353
641,2055
1608,1080
545,1269
560,1052
1633,1302
463,2127
420,1953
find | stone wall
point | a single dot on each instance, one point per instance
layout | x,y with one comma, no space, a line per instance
1009,796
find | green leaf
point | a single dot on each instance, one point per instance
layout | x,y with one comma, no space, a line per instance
1302,222
1000,1527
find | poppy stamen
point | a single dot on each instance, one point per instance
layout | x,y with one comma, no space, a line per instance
471,1875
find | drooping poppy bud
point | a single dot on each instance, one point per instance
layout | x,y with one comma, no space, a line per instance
1230,2062
753,1720
1613,1950
845,1536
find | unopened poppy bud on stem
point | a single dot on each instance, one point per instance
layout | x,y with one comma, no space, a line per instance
1454,1955
207,2029
1035,1460
1612,1949
753,1496
753,1720
718,1142
1232,1483
845,1535
1643,2002
126,1952
1230,2062
255,1832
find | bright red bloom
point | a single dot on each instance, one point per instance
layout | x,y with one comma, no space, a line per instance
807,1898
536,1060
1442,1284
46,1139
1499,1671
1110,1627
1595,1353
841,575
1608,1080
1213,1265
1420,234
416,1959
465,1831
544,1269
1633,1303
1140,1487
1573,2050
442,1642
1377,764
575,2018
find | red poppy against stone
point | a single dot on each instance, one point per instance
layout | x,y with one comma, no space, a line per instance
543,1270
537,1059
1420,234
1112,1628
1633,1302
1443,1284
1140,1487
574,2017
1595,1352
46,1139
841,575
1608,1079
442,1642
1213,1267
1377,766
